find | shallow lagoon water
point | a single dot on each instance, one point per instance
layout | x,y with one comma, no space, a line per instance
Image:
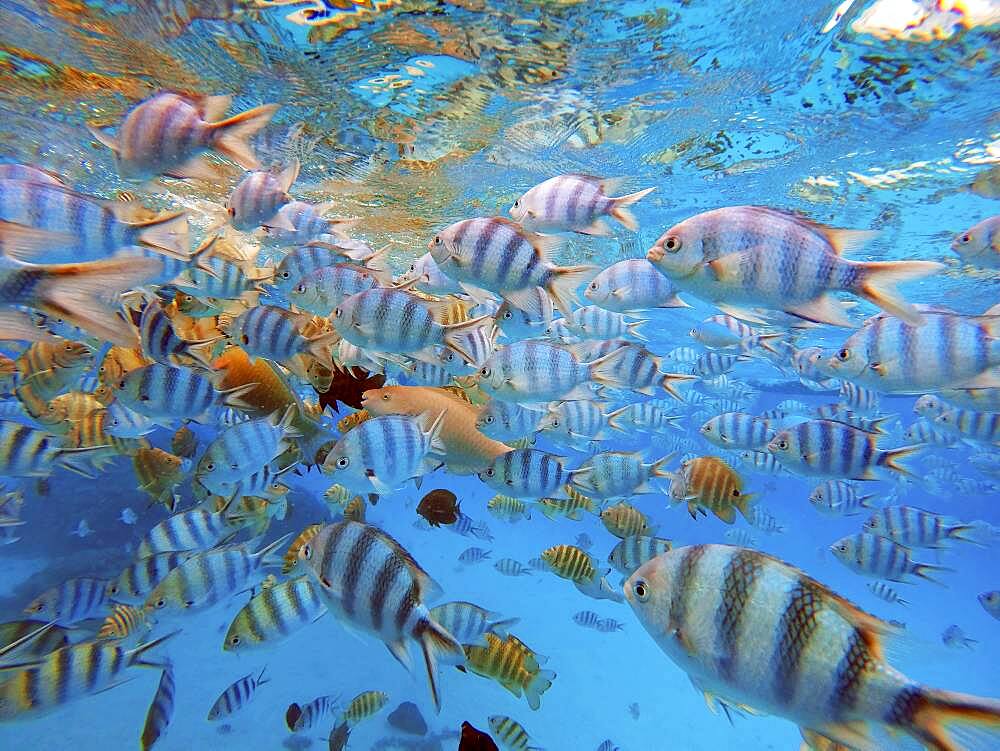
413,115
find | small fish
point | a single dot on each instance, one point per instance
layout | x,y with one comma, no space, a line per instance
583,541
508,509
508,421
738,430
128,516
168,134
761,257
291,558
82,529
876,556
467,526
762,520
470,556
528,473
273,614
914,527
72,601
885,592
632,285
469,623
740,537
726,332
980,244
510,733
587,619
970,424
197,529
609,625
990,602
634,550
475,740
439,507
364,705
619,474
510,567
300,717
511,663
839,498
608,745
624,520
161,711
237,696
322,291
633,709
709,483
125,621
575,203
258,198
954,637
243,449
138,579
276,334
339,737
184,442
572,507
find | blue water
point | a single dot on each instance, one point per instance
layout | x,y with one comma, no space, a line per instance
715,103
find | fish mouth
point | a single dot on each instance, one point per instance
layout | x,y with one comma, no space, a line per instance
655,254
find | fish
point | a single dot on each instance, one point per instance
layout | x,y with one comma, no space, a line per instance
969,424
305,716
160,712
581,568
236,696
439,507
917,528
762,257
609,625
575,203
291,559
826,448
528,473
510,567
301,222
634,550
82,529
954,637
273,614
709,483
498,255
140,577
158,473
595,323
28,639
572,507
738,430
197,529
320,292
167,394
475,740
72,601
508,421
990,602
168,133
124,621
511,734
726,332
688,600
72,672
339,737
276,334
259,197
512,664
364,705
619,474
643,416
840,498
344,559
473,555
507,508
980,244
382,453
625,520
885,592
631,286
871,555
466,451
469,623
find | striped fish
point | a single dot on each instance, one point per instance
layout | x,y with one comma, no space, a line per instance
242,450
259,196
725,332
587,619
161,343
709,483
291,558
364,705
967,423
507,421
616,474
511,734
824,448
68,674
759,634
914,527
507,508
370,582
300,717
572,506
949,351
738,430
321,291
473,555
207,578
158,473
273,614
29,639
925,431
575,203
762,462
469,623
755,256
594,322
511,567
275,334
516,324
644,416
427,374
29,452
634,550
839,498
577,422
535,371
632,366
138,579
161,711
237,696
632,285
609,625
119,421
125,621
498,255
308,222
712,364
304,260
382,453
197,529
884,592
512,664
72,601
51,367
859,399
528,473
427,277
624,520
871,555
169,394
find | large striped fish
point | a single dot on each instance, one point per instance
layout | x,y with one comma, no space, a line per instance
827,448
372,583
753,632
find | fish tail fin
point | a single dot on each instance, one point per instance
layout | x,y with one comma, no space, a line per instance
607,370
135,655
620,208
232,135
168,234
437,646
892,459
562,288
976,532
877,284
500,627
633,330
657,467
668,381
85,294
924,570
538,685
948,720
613,418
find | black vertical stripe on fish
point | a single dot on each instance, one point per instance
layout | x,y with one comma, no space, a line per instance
382,588
407,605
351,575
94,663
688,566
30,686
798,624
850,675
62,672
508,254
739,578
479,251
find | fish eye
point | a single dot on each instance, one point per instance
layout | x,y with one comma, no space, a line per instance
484,372
640,590
285,274
555,423
842,547
490,472
234,640
337,312
113,589
783,445
594,285
232,211
672,244
385,397
844,355
964,238
736,493
437,239
301,289
307,551
342,462
507,315
490,419
245,339
161,603
517,203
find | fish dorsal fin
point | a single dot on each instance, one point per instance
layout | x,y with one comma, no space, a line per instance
842,241
288,176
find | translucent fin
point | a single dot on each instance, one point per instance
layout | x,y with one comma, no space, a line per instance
232,136
620,211
878,281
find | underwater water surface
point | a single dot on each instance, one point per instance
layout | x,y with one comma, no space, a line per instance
395,120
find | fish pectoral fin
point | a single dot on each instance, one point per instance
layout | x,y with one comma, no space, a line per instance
853,734
401,652
198,168
823,309
280,221
744,314
380,487
621,293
